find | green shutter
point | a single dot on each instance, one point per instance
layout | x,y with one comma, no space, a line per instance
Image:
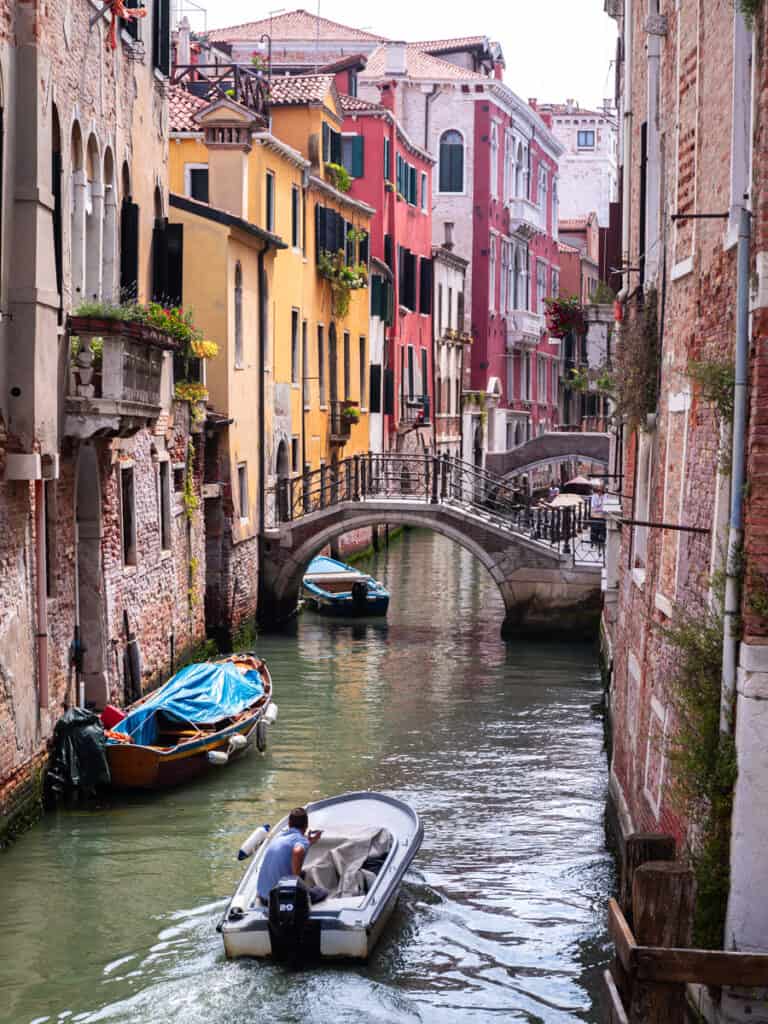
387,161
457,168
357,157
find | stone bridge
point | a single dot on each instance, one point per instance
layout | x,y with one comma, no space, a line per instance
558,446
548,576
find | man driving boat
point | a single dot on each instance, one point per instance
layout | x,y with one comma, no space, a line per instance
284,857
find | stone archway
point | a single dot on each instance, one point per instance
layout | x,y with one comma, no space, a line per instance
90,577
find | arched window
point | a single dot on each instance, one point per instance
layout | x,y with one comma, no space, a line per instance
129,240
94,221
451,162
77,232
238,315
109,243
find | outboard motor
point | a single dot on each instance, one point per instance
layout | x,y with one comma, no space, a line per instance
360,595
289,929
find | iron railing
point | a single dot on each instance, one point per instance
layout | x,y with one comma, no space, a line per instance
245,85
442,480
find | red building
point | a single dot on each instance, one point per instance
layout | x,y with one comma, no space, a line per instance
392,174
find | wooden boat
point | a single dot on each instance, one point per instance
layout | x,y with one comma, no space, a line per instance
368,842
333,588
202,717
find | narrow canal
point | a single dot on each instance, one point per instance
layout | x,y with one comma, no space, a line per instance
110,914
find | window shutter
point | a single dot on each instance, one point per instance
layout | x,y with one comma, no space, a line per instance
160,261
425,283
363,250
326,142
175,270
387,161
319,230
341,235
389,392
161,42
389,296
375,291
374,388
335,147
412,186
388,251
457,168
131,25
358,162
349,244
129,250
401,288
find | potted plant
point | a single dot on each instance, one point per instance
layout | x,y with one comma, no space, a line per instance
350,414
564,315
339,177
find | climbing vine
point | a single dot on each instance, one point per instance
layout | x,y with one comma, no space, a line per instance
749,9
191,502
704,761
717,379
637,362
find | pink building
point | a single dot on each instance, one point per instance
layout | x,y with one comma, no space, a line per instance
392,174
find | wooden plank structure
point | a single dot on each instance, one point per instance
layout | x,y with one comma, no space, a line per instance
653,964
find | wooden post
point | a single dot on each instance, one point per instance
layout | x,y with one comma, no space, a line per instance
641,847
662,907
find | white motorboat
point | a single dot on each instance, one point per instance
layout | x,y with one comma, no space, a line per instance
368,842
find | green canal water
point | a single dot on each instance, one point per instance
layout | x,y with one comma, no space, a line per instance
109,914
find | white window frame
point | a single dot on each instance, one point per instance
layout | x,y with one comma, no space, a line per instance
188,168
504,278
242,490
541,285
492,261
585,145
494,160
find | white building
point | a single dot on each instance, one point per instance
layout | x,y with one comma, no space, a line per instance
451,339
588,167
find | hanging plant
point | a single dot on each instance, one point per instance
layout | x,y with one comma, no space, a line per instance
563,315
340,177
343,279
351,414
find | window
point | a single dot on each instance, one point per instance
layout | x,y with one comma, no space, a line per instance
541,379
511,376
161,35
519,171
494,159
128,514
295,217
131,25
449,321
349,243
504,293
424,378
363,371
555,381
510,440
269,218
242,489
555,210
541,285
492,274
423,191
321,364
413,185
352,155
411,374
543,189
525,377
440,311
331,145
425,286
164,487
238,316
347,367
305,365
585,139
555,289
295,455
196,181
387,160
509,165
362,249
451,162
407,278
294,346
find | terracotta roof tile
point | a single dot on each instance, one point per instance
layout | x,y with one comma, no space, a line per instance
353,104
573,223
288,89
354,60
563,247
420,65
436,46
297,24
182,107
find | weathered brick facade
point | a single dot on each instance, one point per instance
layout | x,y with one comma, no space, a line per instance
690,95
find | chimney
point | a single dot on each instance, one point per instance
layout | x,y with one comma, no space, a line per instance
448,227
228,141
569,106
183,43
532,102
394,59
498,70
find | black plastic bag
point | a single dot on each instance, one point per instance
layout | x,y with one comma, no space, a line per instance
79,759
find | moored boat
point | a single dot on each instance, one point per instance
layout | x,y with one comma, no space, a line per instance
368,842
333,588
205,715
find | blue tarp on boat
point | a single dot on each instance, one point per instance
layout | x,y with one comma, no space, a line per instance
324,564
201,693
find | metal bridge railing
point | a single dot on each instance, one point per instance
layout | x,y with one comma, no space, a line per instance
442,480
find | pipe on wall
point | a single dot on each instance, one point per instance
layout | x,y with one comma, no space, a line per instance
41,589
626,170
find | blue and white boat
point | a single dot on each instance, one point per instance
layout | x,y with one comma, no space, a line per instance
333,588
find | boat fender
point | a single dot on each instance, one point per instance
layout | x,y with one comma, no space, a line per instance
261,735
270,715
237,906
253,842
218,757
237,742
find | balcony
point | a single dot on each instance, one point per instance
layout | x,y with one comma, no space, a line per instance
114,385
523,328
414,412
341,421
526,219
248,86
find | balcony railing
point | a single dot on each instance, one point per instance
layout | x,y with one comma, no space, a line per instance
114,379
523,328
415,411
525,218
244,85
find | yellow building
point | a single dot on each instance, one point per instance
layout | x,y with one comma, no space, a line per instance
259,222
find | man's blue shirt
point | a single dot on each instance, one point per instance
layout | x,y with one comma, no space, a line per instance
277,860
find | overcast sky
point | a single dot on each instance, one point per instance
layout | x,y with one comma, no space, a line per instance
554,49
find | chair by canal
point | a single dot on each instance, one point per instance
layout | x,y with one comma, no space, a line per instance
367,845
333,588
202,717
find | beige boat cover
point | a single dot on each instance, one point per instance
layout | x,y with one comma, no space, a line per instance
336,860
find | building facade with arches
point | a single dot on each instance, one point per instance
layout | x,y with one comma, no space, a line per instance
95,548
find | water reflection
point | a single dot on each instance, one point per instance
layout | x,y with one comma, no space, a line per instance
109,914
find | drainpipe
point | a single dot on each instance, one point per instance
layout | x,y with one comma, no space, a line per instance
736,526
41,595
262,371
431,97
626,187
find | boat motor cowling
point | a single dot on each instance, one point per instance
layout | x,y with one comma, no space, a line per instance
289,908
359,593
